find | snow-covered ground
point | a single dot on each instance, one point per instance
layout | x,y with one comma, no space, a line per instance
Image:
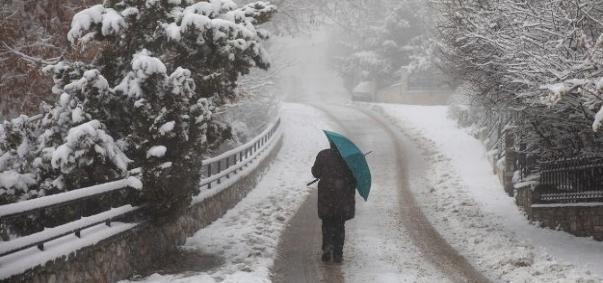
458,193
467,204
247,236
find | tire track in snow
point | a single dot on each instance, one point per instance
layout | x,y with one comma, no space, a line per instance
421,250
386,257
299,250
423,234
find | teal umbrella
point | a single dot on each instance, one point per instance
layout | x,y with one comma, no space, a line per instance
355,160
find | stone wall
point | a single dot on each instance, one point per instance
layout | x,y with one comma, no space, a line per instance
136,250
504,171
582,220
523,198
579,219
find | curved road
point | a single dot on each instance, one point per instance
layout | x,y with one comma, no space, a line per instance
390,240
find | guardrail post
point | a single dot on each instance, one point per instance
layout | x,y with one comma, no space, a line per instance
219,170
227,166
209,175
241,160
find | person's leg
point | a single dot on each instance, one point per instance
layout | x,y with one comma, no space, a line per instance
339,240
327,239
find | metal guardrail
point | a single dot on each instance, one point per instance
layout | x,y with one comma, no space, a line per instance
223,166
214,171
38,206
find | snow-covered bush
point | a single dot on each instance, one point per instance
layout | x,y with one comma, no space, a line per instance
86,145
146,100
16,177
168,66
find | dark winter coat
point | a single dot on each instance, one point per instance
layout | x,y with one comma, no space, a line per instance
336,188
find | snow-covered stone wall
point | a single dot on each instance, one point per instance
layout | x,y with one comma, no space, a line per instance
579,219
135,251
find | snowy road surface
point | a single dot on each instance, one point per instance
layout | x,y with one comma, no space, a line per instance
468,205
246,237
389,240
425,171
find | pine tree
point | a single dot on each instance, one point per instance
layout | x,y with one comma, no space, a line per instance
171,63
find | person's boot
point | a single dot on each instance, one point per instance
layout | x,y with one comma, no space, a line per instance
337,258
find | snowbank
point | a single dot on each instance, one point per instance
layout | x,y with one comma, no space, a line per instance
247,236
467,204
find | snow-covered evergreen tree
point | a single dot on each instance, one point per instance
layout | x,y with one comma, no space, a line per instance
16,177
148,98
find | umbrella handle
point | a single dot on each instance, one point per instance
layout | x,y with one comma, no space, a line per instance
315,180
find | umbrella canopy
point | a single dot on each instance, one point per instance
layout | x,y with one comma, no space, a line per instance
355,160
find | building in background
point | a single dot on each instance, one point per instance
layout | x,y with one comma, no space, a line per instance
425,87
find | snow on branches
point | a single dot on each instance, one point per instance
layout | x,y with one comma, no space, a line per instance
84,144
106,20
375,47
543,59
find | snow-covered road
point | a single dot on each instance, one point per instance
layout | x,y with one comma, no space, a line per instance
390,240
467,204
435,213
246,237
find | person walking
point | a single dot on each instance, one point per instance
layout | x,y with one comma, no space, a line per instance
336,200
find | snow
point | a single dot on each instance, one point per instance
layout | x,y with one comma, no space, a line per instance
64,99
130,86
49,233
83,20
110,21
77,115
558,90
195,21
144,65
172,31
130,12
157,151
13,208
151,3
11,179
365,87
469,207
598,120
247,236
167,128
242,169
576,204
237,150
80,140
